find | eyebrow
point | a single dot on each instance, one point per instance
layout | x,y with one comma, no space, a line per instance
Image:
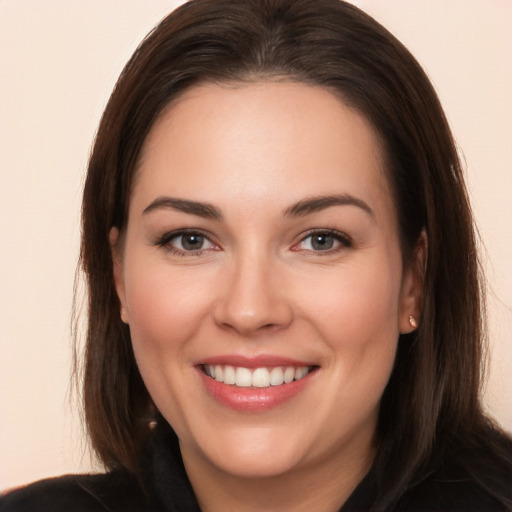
316,204
299,209
205,210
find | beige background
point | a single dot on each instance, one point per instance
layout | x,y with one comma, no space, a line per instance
58,62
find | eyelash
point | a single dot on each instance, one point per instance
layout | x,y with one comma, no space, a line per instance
344,241
164,241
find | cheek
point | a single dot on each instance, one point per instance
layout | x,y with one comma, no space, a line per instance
357,316
167,308
166,305
357,302
355,312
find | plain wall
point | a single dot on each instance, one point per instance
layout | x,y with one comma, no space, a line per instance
59,60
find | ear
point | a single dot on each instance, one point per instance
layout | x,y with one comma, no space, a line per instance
412,287
117,262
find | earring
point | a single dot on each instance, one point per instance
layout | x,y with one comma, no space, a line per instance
412,322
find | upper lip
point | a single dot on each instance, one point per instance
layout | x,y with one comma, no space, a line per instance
260,361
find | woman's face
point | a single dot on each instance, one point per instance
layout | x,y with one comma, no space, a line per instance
262,247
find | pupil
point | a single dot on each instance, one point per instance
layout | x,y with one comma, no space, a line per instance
192,242
322,242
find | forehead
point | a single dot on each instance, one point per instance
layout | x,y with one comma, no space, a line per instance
260,141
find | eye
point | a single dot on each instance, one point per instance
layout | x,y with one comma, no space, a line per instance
189,242
323,241
186,242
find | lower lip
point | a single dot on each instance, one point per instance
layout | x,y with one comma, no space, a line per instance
251,398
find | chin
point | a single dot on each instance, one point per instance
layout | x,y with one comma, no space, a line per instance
259,464
252,453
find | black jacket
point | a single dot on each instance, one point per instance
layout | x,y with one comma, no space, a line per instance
164,487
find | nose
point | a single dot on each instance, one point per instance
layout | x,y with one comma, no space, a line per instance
253,298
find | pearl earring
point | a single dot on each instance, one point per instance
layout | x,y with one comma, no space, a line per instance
412,322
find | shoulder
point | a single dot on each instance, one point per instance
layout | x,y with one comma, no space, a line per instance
454,492
116,491
474,474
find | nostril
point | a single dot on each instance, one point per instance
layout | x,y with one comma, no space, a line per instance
248,308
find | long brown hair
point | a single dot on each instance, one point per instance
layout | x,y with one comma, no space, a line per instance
431,402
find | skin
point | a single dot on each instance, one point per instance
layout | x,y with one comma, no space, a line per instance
259,286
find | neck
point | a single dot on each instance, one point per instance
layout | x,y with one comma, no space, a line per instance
324,487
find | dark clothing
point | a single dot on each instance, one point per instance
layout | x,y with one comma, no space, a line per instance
165,487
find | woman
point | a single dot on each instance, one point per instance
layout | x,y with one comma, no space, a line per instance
281,267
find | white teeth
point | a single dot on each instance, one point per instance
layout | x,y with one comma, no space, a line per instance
300,372
229,375
219,373
289,374
276,377
243,377
259,377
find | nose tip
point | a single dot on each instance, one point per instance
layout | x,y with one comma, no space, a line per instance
253,303
250,321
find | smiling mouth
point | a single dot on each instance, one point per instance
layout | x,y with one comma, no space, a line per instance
257,377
